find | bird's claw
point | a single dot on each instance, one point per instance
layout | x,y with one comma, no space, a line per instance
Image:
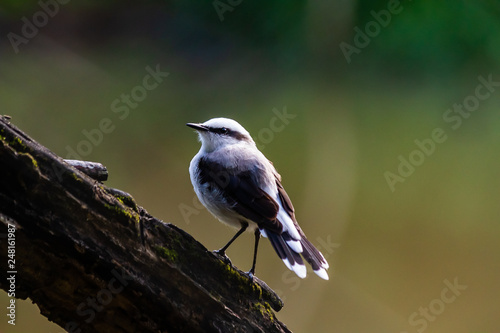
222,253
250,275
223,256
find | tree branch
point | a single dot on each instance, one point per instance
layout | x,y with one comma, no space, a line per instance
94,261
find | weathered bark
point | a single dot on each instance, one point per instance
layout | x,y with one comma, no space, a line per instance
94,261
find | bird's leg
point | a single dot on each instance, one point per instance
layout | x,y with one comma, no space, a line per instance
251,272
222,251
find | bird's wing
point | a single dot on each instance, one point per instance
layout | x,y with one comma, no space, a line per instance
242,191
287,203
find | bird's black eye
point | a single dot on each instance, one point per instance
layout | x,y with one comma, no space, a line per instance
220,130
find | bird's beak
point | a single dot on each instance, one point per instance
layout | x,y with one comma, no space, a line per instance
198,127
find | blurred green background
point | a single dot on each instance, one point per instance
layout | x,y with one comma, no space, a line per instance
394,251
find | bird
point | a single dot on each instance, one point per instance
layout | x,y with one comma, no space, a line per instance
240,187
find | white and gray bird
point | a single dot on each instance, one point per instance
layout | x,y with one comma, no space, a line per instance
241,188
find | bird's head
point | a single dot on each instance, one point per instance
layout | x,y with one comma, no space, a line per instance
220,132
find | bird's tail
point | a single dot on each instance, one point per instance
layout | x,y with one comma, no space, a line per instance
293,259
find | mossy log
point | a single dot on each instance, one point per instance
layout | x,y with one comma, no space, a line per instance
94,261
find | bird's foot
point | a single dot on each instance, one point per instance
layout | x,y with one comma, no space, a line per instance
221,253
250,275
